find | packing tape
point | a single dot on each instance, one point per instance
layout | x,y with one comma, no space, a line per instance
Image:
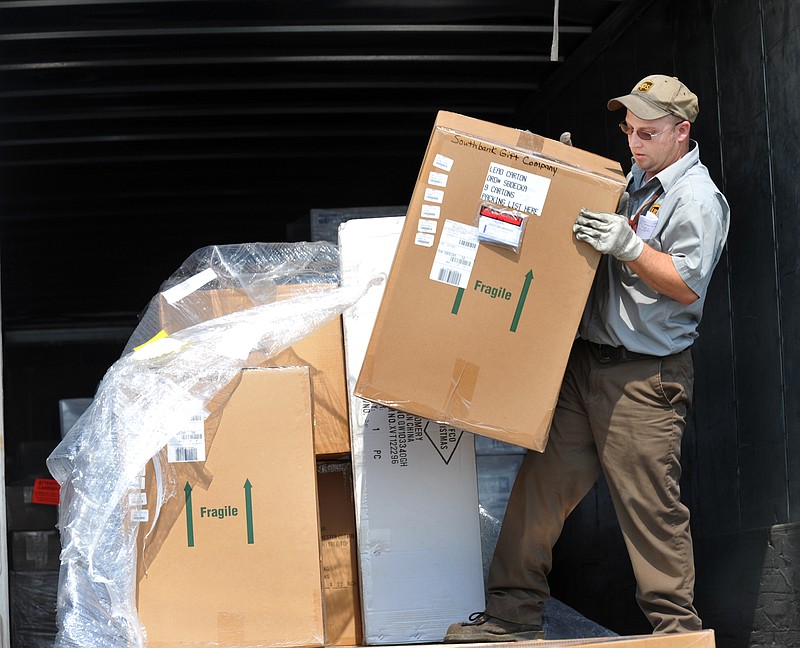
530,142
461,391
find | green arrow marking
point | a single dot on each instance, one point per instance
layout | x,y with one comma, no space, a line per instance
521,303
457,302
248,504
189,523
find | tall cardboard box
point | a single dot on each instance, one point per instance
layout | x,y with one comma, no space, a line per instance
417,514
488,284
322,352
233,558
337,520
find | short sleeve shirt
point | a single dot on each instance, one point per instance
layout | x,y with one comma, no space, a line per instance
685,215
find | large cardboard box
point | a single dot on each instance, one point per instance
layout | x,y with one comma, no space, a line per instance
488,284
699,639
337,520
233,558
322,352
417,515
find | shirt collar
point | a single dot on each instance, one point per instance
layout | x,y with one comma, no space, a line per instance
669,176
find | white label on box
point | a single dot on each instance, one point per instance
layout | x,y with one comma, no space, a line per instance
515,189
424,239
430,211
443,162
434,195
425,225
437,179
137,499
139,515
188,286
189,444
455,255
496,231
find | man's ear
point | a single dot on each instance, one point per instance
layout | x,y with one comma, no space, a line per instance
684,128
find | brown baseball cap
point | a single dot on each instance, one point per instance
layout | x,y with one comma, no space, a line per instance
657,96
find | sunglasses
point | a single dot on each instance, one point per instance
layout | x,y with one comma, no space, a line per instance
643,135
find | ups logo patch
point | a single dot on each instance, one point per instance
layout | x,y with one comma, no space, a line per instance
644,86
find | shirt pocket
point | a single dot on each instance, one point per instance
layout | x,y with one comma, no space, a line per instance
646,226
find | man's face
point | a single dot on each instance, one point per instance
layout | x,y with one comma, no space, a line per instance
665,148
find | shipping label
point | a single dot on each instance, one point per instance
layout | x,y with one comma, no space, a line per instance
455,255
189,444
520,190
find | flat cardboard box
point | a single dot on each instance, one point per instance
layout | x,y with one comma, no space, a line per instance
699,639
322,352
337,520
234,559
477,333
417,515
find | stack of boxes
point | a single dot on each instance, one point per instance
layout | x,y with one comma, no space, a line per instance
332,496
246,532
33,546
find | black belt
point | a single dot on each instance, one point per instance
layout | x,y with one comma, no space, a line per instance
607,353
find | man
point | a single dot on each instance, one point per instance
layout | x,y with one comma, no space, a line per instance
628,383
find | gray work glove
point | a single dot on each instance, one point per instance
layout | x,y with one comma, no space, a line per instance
608,234
566,138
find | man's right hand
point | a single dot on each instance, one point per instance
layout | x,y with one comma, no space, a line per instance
608,234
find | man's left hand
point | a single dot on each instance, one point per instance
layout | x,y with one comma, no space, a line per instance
608,234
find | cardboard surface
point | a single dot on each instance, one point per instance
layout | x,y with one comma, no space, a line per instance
700,639
322,352
417,513
233,558
481,331
339,553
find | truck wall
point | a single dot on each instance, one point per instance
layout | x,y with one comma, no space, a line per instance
742,444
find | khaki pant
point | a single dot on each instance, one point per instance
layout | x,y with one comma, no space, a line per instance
625,418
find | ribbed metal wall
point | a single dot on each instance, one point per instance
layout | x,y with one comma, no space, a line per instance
134,132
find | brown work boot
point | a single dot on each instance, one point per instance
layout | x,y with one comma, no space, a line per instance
482,628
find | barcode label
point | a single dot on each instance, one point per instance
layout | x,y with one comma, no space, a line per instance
424,239
185,454
449,277
137,499
430,211
443,162
139,515
190,443
434,195
437,179
455,255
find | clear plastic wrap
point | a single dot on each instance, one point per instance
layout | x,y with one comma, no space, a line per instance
158,383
